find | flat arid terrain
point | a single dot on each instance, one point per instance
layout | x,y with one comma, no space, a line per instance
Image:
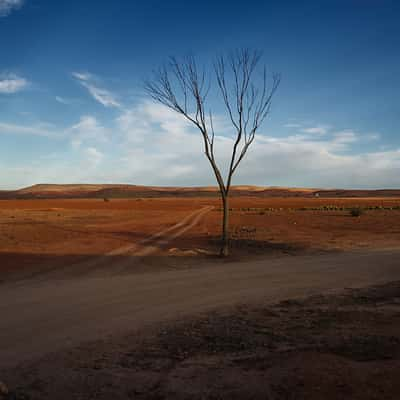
199,201
105,297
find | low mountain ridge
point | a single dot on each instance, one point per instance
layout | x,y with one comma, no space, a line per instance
79,191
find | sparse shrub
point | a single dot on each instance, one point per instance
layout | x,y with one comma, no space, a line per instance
356,212
106,200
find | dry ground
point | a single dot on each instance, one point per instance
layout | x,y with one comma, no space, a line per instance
338,346
43,235
200,327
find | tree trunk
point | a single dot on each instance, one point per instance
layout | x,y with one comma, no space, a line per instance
225,226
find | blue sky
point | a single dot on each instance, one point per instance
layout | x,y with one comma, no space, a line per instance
73,109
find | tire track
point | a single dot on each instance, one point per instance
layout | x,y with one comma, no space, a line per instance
114,260
163,237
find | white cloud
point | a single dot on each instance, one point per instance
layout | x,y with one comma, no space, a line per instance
36,130
316,130
345,137
6,6
162,148
88,129
372,136
318,164
62,100
150,144
83,76
150,121
11,83
290,125
94,157
103,96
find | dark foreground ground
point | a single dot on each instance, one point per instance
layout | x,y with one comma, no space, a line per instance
343,345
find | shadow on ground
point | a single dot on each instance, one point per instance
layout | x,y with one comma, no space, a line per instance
183,253
337,346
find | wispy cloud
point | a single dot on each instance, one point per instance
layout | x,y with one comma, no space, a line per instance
62,100
12,83
155,155
317,130
6,6
35,130
94,156
150,144
103,96
345,137
372,136
88,129
83,76
292,125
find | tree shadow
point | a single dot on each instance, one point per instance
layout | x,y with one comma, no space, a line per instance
161,253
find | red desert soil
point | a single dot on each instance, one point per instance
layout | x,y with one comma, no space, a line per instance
43,235
74,271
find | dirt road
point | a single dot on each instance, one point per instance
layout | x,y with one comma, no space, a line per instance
40,317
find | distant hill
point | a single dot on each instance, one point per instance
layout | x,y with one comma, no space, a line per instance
79,191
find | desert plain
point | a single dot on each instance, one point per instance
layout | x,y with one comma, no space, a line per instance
106,295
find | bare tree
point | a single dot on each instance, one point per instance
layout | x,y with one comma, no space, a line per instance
182,86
